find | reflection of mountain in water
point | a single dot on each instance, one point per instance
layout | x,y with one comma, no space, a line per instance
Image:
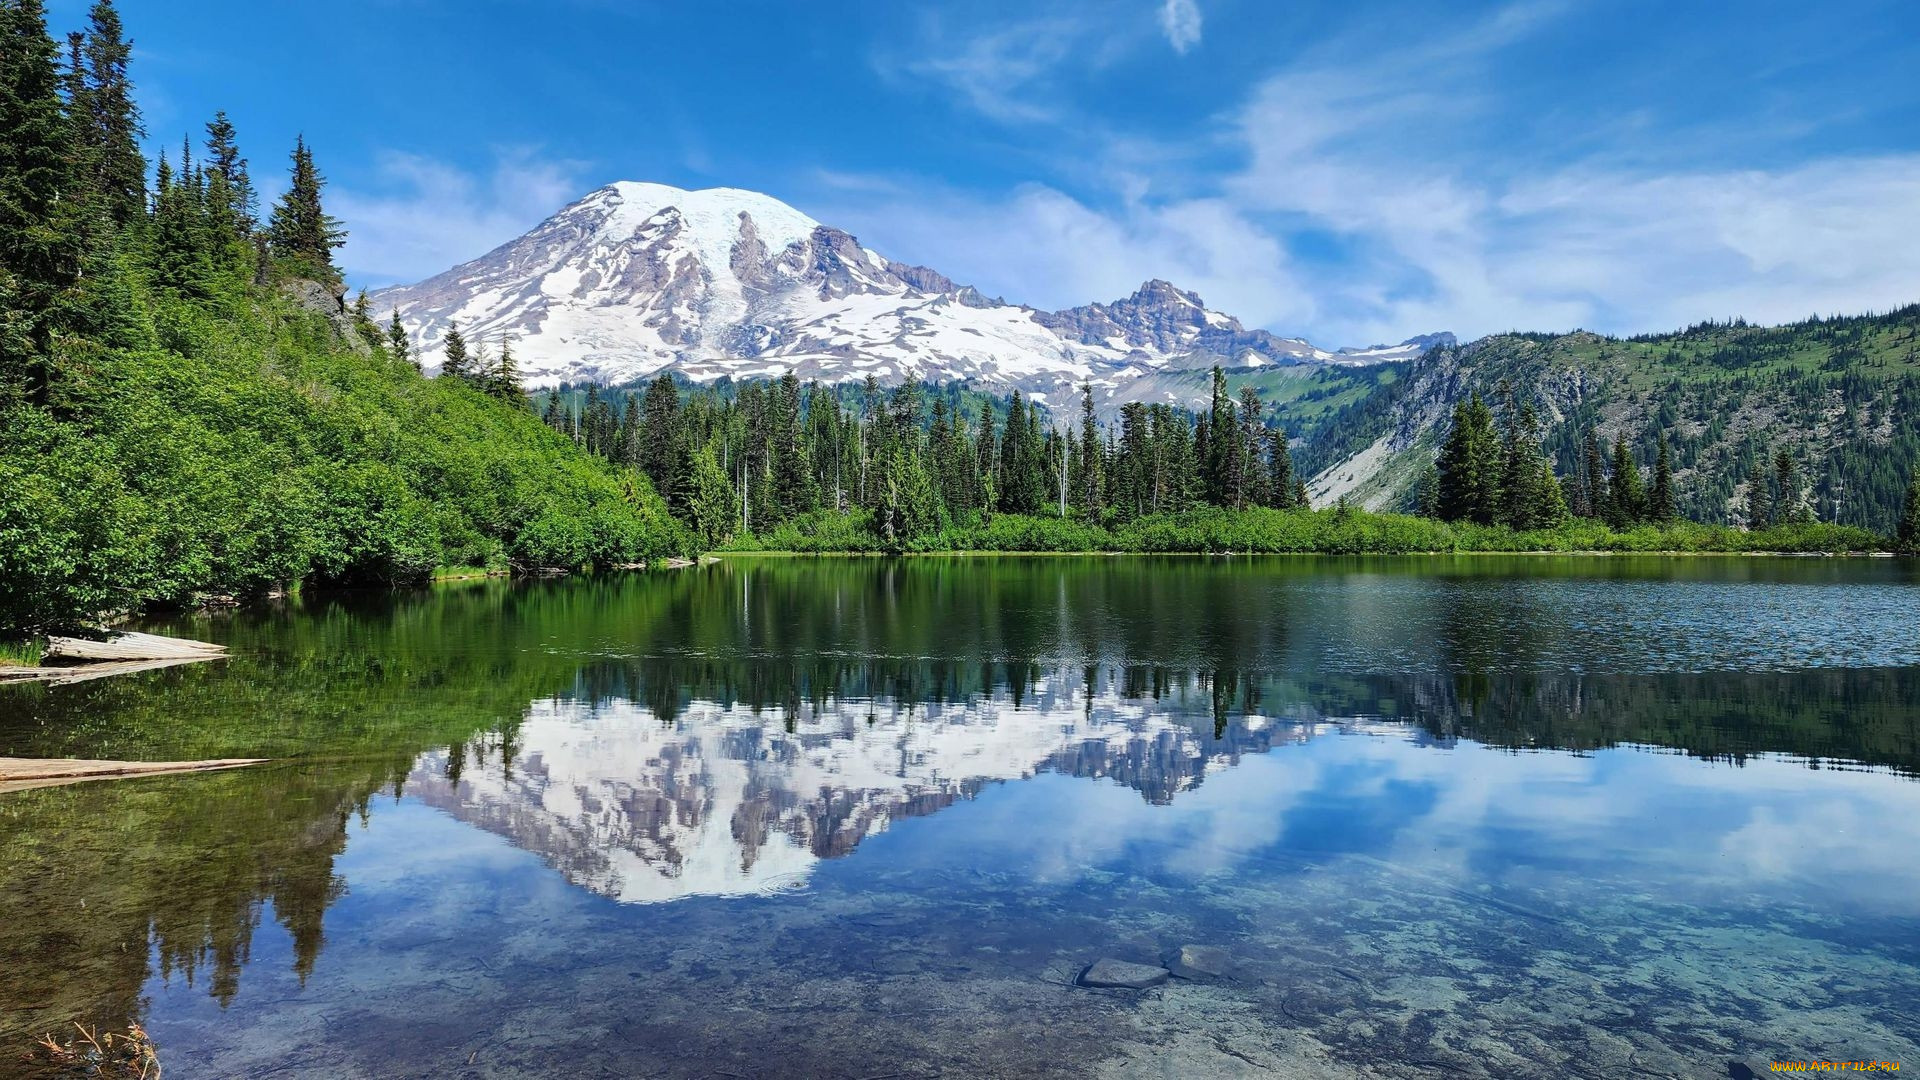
728,801
693,797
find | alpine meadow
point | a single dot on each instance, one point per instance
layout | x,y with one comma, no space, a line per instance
1090,579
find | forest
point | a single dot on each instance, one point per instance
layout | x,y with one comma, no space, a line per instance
190,414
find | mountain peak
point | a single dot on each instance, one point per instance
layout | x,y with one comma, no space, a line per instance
638,278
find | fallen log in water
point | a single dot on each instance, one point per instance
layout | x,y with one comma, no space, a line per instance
68,674
17,774
130,646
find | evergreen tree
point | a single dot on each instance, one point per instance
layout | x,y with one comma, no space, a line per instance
1092,481
1470,466
1759,500
1626,491
987,462
40,238
1789,498
1594,479
1906,536
227,176
1660,501
661,438
397,342
503,381
1221,442
301,235
632,445
1521,494
110,128
706,496
455,363
1279,471
1251,479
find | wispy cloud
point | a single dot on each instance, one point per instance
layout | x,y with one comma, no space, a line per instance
427,215
1003,71
1180,22
1395,153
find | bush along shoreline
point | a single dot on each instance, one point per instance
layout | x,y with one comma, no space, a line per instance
1334,531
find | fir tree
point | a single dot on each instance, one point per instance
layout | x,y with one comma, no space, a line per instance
110,128
1789,498
1426,492
1279,471
987,461
1759,500
455,363
503,381
1626,491
397,340
1594,479
1660,501
1470,466
1090,497
301,235
40,239
660,439
1906,535
1251,481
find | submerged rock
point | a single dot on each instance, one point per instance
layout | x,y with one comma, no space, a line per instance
1201,962
1123,975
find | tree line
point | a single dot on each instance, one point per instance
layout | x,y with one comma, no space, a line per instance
1493,471
912,460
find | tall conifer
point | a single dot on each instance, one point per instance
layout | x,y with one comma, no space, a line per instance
301,234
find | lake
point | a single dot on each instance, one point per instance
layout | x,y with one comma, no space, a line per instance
1477,816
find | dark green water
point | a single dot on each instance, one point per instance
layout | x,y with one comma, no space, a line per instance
860,818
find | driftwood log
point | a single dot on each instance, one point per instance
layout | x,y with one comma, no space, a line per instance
130,646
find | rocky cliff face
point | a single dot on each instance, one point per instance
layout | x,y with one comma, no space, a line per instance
637,279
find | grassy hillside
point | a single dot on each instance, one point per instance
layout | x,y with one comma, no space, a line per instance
242,445
1838,394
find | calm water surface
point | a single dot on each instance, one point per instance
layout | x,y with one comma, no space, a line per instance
861,818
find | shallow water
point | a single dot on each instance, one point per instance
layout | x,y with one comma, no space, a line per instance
859,818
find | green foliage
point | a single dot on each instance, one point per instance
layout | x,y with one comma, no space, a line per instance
1907,534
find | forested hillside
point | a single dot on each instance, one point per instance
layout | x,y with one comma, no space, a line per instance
1836,395
188,410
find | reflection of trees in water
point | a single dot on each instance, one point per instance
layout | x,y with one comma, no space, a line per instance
109,883
178,873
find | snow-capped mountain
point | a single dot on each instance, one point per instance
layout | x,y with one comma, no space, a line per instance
637,278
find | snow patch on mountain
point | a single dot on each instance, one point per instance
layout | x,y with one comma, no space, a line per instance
636,279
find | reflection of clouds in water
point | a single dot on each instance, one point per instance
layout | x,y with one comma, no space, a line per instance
729,801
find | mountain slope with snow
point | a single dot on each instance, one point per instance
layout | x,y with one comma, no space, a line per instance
636,279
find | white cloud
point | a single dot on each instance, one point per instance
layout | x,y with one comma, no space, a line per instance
1180,22
1000,73
431,215
1389,154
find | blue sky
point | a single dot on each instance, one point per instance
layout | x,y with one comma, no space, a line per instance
1350,172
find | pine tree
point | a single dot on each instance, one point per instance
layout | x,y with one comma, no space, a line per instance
40,239
227,178
503,381
1626,491
1594,481
111,128
660,427
1092,481
1906,536
455,363
1759,500
1279,471
1660,501
1789,498
1221,442
987,462
397,340
1520,490
1252,479
1470,466
301,235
